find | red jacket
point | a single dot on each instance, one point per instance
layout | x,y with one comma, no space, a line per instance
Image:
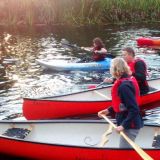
116,101
132,65
98,56
139,71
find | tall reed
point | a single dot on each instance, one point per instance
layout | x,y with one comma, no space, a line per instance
79,12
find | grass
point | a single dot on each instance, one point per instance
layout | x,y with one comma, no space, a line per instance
78,12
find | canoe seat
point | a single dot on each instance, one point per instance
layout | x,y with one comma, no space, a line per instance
156,142
20,133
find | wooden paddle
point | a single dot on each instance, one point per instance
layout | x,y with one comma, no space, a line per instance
139,150
96,86
102,95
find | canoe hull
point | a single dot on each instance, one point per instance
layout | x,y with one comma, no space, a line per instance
43,151
81,103
148,41
147,100
43,109
49,139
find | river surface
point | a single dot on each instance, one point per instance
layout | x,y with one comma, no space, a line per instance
22,77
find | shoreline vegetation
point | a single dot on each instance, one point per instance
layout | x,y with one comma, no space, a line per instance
77,12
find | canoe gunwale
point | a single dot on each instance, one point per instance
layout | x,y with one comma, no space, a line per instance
78,101
84,91
63,95
62,121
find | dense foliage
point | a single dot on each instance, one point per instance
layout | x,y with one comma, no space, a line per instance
79,12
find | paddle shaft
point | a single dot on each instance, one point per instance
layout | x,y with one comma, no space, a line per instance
100,84
139,150
102,95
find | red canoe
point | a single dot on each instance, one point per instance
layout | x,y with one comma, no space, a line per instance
148,41
72,140
81,103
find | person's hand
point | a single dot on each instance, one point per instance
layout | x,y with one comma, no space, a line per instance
108,80
82,47
103,112
119,128
88,49
96,52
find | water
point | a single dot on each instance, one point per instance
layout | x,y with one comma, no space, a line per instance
22,77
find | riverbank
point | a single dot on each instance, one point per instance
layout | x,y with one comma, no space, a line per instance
77,12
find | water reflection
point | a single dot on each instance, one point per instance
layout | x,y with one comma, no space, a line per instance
22,77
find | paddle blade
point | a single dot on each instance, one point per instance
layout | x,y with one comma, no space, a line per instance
95,86
92,86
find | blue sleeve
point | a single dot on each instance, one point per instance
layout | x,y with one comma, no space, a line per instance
127,96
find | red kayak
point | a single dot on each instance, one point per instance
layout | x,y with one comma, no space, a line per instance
81,103
72,140
148,41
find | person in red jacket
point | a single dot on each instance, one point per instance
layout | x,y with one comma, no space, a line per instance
125,95
99,51
138,68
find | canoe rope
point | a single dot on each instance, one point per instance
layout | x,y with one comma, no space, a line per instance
156,140
89,141
105,135
19,133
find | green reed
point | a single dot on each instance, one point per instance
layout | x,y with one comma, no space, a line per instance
78,12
